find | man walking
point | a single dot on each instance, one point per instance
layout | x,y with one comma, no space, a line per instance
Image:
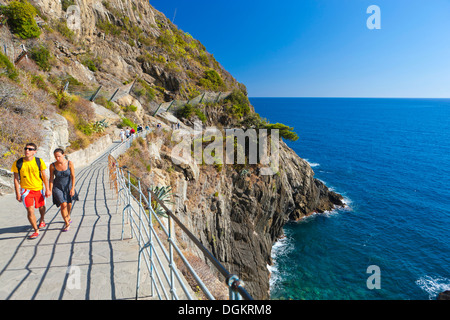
122,135
29,174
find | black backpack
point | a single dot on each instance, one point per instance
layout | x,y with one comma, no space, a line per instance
20,163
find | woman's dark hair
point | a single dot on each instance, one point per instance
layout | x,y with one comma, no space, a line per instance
58,150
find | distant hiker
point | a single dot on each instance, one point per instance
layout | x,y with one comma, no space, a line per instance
147,127
132,131
62,184
139,128
122,135
127,133
29,174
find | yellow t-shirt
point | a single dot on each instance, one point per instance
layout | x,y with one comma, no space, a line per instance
29,174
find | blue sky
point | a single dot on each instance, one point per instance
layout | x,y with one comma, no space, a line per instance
323,48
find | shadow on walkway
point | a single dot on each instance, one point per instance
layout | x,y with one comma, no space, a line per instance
87,262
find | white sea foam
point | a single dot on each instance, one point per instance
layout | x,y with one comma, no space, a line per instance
348,203
312,164
281,247
433,285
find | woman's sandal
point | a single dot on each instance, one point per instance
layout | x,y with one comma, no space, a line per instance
66,228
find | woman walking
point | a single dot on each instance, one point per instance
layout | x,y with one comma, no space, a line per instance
62,184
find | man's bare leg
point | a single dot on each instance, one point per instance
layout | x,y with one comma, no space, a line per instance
32,218
42,212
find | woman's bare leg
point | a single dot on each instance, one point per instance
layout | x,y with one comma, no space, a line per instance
64,214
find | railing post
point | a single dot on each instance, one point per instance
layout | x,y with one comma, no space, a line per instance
129,204
201,100
233,282
139,241
217,100
150,228
171,265
95,94
170,105
154,114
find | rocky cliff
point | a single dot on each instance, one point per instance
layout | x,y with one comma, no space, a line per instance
127,40
236,212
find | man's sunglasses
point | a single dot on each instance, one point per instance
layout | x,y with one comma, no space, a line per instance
29,149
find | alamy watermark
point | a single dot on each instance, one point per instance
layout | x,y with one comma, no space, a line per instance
73,278
73,18
374,280
228,146
374,21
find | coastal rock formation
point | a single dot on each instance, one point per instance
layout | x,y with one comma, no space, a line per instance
240,214
444,295
236,212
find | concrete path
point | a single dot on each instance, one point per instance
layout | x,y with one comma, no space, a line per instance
87,262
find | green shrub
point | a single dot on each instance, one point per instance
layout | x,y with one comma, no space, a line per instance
285,131
39,81
166,39
109,28
127,123
200,115
240,105
172,67
65,4
64,30
11,71
143,89
188,112
203,59
106,103
21,19
63,100
85,127
90,65
41,55
130,108
212,81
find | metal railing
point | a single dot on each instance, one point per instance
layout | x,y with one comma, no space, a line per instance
157,253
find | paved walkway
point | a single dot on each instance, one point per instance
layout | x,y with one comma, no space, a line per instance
87,262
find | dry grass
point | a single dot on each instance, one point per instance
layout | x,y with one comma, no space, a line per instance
20,120
217,288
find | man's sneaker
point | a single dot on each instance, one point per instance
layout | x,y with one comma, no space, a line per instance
34,236
42,224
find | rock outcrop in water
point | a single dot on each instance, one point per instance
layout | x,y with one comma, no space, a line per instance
444,295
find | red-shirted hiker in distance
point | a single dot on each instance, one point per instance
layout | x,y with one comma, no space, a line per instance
29,174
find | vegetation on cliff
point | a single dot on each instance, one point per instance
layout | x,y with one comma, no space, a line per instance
21,16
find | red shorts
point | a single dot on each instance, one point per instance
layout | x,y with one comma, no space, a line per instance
30,198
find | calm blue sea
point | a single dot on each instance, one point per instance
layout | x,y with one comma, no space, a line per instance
390,159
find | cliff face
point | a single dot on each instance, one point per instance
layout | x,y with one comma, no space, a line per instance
132,40
236,212
240,214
